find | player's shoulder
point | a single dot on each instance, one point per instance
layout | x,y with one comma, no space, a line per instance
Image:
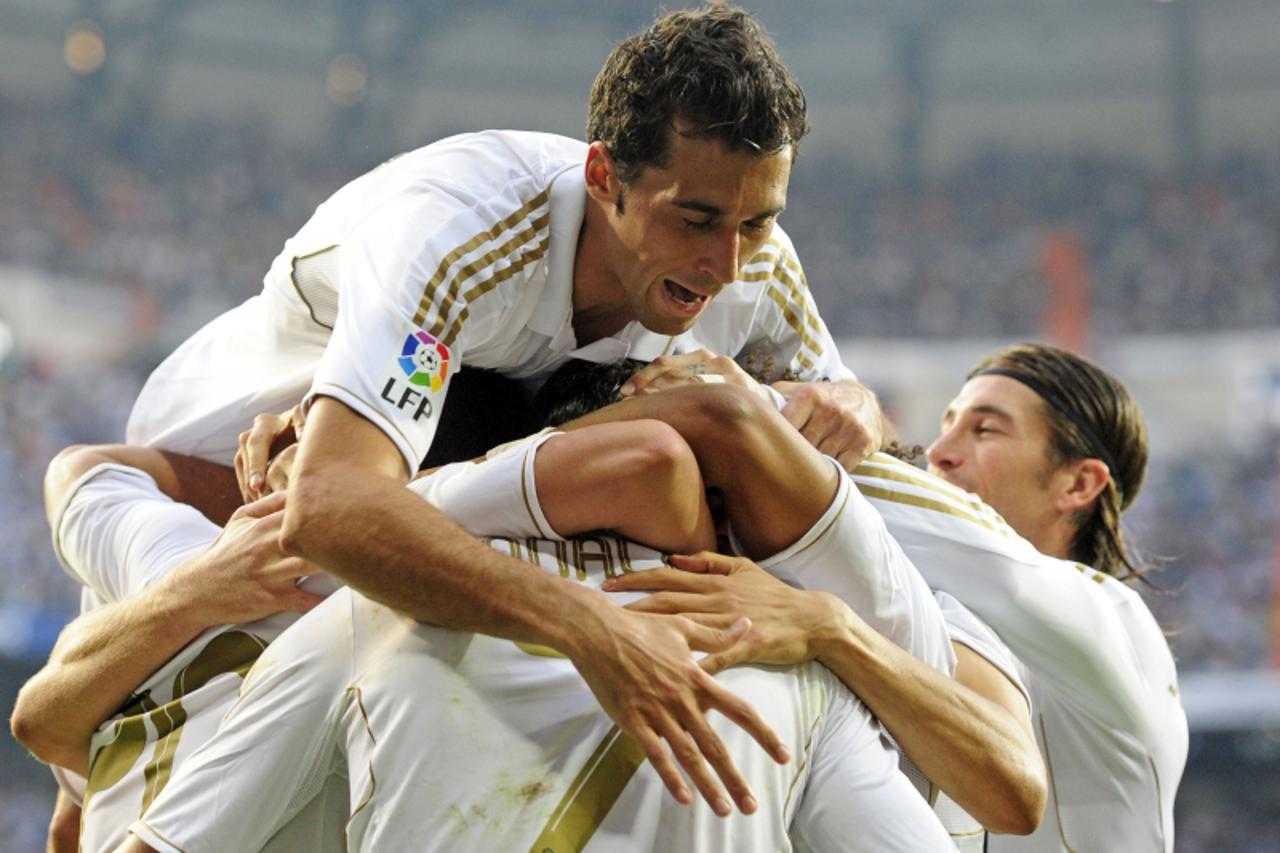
894,483
492,160
775,261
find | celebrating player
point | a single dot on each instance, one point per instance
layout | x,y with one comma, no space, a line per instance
1058,446
844,762
513,251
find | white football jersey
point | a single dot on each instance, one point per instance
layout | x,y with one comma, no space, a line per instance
116,533
459,252
457,742
1102,680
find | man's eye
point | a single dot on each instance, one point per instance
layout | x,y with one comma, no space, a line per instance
757,226
699,224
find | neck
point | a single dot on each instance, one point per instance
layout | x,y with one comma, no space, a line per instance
1055,539
599,308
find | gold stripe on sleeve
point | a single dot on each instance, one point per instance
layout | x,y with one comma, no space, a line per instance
489,284
446,306
796,325
889,468
591,795
789,273
891,496
442,271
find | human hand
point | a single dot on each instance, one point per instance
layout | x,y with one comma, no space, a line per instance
244,575
842,419
788,625
268,436
280,469
672,371
641,670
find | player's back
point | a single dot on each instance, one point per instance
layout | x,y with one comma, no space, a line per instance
511,750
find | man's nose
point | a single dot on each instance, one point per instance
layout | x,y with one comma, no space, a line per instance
720,257
942,454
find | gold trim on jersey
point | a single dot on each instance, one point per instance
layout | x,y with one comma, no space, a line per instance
970,507
293,279
787,288
802,765
591,795
526,258
878,493
1053,787
161,836
513,244
886,467
354,690
228,652
442,270
524,492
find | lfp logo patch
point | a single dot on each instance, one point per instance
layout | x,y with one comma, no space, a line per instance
424,360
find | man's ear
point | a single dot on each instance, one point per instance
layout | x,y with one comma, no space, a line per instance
1088,478
602,174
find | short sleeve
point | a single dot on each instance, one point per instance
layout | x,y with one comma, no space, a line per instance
788,332
413,276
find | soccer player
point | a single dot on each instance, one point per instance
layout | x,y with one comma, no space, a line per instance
303,693
1057,446
513,251
175,620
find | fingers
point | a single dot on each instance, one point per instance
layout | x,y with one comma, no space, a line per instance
255,451
663,764
670,371
280,469
741,712
692,749
704,562
703,638
260,508
655,580
677,603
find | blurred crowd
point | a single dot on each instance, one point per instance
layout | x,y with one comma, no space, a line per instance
203,212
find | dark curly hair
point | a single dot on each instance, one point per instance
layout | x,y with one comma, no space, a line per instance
715,70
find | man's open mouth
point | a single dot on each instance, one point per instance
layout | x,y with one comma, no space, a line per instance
683,295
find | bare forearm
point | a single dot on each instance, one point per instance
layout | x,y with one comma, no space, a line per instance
968,746
64,827
99,660
393,547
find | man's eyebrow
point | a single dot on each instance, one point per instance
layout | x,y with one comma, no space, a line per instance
982,409
992,409
712,210
699,206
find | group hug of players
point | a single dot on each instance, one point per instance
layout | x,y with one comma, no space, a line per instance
653,493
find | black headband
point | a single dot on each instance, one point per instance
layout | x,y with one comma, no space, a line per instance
1056,403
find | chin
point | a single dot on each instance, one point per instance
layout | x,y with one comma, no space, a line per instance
669,325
